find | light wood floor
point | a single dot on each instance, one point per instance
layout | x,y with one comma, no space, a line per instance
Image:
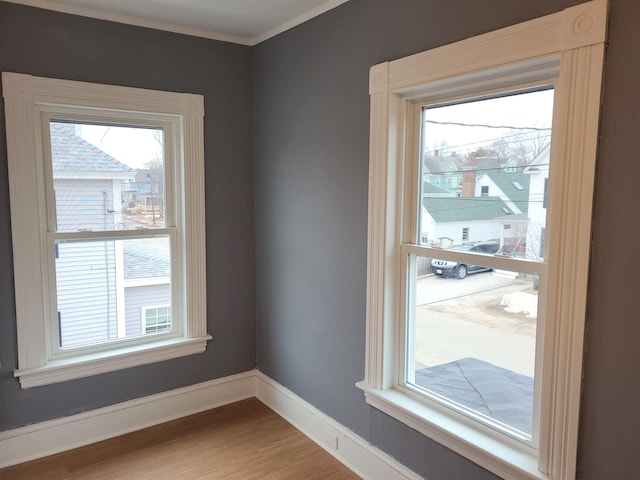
245,440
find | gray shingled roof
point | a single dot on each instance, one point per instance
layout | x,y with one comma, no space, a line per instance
442,164
431,189
541,161
72,154
145,259
465,209
505,182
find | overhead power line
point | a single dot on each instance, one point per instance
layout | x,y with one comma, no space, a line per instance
510,127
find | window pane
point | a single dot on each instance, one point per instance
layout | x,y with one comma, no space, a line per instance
104,287
156,319
472,342
107,177
484,169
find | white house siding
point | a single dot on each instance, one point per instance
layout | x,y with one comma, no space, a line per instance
143,296
86,272
537,214
85,204
479,231
427,227
86,285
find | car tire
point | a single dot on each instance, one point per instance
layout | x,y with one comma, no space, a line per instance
461,272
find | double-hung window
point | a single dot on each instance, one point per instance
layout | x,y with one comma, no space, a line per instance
474,337
107,196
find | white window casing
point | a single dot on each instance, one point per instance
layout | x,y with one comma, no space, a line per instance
567,46
29,103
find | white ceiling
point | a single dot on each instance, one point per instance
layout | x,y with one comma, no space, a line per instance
247,22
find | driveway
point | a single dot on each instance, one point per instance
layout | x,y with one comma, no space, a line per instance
457,319
469,349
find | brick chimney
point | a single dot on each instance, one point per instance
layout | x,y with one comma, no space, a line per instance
469,172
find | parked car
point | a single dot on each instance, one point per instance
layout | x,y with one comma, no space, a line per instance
448,268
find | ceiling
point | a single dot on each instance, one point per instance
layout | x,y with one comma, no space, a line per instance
247,22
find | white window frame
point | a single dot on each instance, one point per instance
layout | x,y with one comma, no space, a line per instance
568,45
29,101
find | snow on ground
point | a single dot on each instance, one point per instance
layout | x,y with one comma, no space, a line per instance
521,302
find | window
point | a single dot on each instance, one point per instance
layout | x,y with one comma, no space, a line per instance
412,330
108,259
472,347
156,319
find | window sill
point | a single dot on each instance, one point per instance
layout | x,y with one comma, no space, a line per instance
118,359
498,457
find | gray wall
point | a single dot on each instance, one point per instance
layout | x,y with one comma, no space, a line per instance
311,153
46,43
311,208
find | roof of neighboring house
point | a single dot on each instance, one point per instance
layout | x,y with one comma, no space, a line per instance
442,164
465,209
515,186
540,162
72,155
488,164
431,189
516,217
145,258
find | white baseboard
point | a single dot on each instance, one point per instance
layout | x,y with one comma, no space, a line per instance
55,436
356,453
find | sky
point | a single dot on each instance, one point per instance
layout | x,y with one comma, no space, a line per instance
132,146
532,109
135,147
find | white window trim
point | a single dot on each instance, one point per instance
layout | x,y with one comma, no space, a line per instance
24,97
574,39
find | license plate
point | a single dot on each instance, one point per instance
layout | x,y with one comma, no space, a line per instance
439,271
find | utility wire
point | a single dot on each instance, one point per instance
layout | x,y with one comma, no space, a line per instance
490,142
509,127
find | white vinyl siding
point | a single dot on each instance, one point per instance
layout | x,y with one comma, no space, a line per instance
84,204
89,268
86,286
136,298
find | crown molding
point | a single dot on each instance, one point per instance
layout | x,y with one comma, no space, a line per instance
169,27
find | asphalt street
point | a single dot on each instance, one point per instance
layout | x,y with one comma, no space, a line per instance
457,319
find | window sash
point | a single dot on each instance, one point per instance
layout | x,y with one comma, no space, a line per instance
53,239
411,164
168,124
405,355
72,115
502,262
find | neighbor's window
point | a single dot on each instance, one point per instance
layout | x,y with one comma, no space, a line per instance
156,319
109,197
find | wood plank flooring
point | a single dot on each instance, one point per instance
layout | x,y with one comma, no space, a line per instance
246,440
